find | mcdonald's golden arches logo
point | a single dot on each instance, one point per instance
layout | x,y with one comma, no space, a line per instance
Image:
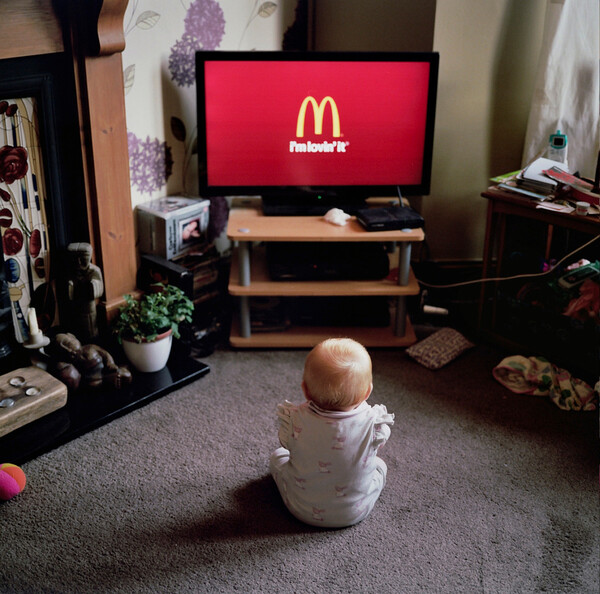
318,112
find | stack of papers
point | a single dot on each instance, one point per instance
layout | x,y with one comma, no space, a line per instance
532,181
534,178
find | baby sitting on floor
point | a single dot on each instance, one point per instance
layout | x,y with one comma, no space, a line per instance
327,470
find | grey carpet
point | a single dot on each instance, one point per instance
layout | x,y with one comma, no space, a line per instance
487,492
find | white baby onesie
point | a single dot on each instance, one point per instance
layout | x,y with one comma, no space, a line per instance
327,471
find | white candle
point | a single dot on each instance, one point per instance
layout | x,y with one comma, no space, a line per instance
34,329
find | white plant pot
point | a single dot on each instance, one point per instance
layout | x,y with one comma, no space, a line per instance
149,356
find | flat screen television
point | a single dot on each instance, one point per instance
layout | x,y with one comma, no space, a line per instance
308,131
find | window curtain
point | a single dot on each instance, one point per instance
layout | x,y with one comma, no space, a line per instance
566,95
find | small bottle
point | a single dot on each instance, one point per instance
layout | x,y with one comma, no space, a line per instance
557,148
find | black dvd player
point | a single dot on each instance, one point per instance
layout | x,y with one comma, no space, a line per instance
389,218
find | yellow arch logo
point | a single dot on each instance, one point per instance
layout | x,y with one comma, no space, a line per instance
318,111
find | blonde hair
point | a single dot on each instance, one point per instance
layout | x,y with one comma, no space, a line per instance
338,373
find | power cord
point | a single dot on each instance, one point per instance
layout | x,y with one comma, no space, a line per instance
517,276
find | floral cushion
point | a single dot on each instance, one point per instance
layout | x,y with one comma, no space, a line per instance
440,348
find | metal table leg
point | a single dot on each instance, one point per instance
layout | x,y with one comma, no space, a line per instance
244,278
245,331
404,263
400,322
403,275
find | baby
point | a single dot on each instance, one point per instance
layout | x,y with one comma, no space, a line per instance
327,471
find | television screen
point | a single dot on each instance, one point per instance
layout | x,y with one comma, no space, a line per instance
306,124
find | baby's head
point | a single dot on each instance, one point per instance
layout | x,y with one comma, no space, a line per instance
337,374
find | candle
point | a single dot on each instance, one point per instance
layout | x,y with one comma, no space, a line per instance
34,329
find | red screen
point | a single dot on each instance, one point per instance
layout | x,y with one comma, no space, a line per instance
364,123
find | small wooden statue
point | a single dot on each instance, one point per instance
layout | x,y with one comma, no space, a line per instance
84,287
89,364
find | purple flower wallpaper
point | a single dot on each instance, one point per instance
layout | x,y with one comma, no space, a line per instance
150,163
204,29
159,81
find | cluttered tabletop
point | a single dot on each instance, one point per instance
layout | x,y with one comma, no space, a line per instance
546,185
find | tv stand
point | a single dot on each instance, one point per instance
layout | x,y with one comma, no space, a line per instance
249,278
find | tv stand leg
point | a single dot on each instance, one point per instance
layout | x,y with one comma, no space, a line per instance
244,263
403,275
400,322
404,263
245,331
244,279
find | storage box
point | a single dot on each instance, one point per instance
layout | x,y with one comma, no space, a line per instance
171,226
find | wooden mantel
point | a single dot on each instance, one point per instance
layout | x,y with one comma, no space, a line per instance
92,33
29,28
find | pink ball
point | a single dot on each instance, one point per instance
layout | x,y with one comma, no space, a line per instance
12,481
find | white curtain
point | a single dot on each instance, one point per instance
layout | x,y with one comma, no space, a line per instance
566,95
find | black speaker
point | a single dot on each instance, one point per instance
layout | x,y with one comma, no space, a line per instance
155,269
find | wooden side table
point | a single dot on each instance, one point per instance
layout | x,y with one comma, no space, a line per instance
501,206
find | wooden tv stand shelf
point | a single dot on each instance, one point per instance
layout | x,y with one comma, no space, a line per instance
249,278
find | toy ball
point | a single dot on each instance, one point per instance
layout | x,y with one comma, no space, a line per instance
12,481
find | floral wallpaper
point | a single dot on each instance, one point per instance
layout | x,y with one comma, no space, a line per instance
159,75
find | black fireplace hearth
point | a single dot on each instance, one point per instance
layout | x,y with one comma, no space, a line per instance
88,409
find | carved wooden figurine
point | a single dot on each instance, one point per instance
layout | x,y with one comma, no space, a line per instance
89,363
84,287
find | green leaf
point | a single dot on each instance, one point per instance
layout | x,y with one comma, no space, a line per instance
163,308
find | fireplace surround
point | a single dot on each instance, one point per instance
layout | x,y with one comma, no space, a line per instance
83,42
72,49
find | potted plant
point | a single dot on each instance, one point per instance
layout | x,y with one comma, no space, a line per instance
146,326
